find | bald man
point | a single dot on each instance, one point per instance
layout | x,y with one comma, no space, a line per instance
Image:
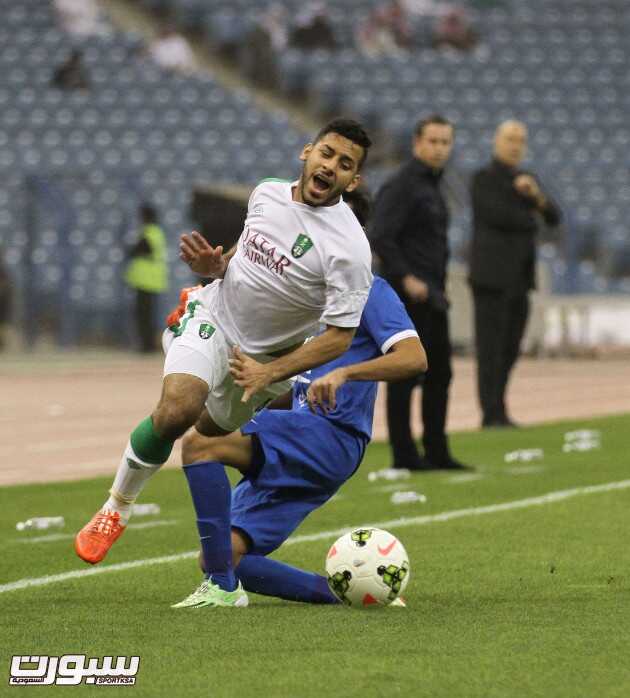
508,206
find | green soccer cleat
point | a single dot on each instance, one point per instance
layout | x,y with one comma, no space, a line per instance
210,594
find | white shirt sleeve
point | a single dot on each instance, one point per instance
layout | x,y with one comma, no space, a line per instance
253,197
348,282
398,337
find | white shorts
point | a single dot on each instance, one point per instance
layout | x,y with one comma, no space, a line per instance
199,348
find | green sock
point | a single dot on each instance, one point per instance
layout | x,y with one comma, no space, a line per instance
148,446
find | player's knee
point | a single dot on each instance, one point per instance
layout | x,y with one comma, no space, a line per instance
240,546
196,447
173,418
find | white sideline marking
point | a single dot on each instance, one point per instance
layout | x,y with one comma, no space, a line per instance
549,498
75,574
53,537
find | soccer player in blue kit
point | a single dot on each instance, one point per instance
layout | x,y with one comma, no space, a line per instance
292,461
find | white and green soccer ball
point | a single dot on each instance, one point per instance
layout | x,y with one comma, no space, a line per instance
367,568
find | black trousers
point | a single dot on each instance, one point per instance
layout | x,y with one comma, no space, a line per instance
500,321
145,320
432,326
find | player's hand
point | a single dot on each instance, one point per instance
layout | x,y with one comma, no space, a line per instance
322,392
249,374
527,186
201,257
415,289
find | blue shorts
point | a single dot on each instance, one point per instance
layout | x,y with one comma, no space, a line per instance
300,461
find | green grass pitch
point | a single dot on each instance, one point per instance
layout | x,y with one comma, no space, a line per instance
517,602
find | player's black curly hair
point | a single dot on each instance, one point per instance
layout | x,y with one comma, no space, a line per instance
350,129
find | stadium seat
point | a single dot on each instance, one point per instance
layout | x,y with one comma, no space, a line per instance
564,72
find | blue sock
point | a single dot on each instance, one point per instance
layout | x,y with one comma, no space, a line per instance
272,578
211,495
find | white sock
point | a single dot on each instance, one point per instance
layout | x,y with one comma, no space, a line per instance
128,483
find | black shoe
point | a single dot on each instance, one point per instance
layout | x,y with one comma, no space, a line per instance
499,423
417,465
452,464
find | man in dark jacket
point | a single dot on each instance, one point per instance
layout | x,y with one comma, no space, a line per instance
408,232
507,204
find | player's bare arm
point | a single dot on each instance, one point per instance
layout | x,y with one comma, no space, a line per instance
202,257
405,359
254,376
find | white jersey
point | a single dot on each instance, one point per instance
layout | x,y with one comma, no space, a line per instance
295,265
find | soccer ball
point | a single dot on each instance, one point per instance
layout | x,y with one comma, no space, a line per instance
367,567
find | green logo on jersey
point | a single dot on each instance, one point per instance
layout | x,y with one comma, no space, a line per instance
301,246
206,330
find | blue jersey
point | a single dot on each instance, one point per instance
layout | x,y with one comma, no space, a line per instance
383,323
301,459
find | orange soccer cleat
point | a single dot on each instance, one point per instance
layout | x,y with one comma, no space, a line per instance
97,536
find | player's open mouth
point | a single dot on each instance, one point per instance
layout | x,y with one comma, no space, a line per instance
321,184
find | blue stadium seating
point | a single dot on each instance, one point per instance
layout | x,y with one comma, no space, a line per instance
560,65
138,132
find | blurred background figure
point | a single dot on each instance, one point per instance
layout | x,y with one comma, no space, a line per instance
79,17
147,274
71,74
454,30
312,29
267,38
6,302
424,7
386,30
409,233
275,22
507,204
171,51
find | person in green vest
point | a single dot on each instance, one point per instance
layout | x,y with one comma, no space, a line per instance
147,274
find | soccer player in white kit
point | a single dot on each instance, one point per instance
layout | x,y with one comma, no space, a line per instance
301,259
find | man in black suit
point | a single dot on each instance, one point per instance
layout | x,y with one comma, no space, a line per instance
408,232
507,203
